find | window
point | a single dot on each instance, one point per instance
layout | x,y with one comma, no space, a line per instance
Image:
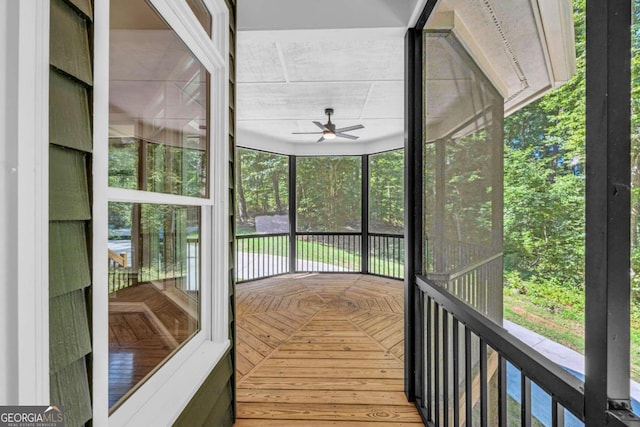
161,206
202,13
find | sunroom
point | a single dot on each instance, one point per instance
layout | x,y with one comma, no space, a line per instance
291,213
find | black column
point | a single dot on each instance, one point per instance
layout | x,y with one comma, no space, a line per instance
413,212
292,214
607,208
365,215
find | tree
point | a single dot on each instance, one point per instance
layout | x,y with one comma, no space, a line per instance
544,180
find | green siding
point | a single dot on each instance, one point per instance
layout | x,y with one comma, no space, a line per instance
70,388
222,413
69,42
214,388
69,126
69,208
214,402
69,337
69,261
83,6
68,190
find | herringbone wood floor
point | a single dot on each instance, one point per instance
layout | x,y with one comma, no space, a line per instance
321,350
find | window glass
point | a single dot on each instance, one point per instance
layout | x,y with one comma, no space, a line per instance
202,13
154,286
328,192
158,143
158,106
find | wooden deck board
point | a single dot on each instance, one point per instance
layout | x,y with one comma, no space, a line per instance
321,350
312,423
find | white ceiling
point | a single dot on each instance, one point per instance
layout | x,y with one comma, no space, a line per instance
298,57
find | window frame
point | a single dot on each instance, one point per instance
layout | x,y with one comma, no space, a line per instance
24,117
155,402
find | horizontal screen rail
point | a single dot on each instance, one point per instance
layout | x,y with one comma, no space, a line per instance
563,387
326,233
391,235
259,235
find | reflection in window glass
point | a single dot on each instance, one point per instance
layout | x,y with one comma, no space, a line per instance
158,106
386,192
463,175
202,13
262,192
154,284
329,194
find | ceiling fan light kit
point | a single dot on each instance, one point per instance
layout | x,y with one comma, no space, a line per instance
329,131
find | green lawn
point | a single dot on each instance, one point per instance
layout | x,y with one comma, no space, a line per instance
563,322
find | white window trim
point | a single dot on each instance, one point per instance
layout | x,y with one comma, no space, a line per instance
161,399
24,350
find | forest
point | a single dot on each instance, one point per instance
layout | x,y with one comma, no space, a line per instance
263,190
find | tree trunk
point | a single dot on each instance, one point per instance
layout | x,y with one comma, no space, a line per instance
242,204
275,180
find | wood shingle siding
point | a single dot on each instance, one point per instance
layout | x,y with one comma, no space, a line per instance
69,208
68,125
70,387
84,7
69,338
69,42
69,261
68,188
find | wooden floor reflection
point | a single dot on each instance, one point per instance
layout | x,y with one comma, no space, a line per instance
145,327
321,350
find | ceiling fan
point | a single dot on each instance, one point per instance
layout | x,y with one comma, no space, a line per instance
329,130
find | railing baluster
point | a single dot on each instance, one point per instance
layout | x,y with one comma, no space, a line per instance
429,357
557,414
525,401
456,372
502,391
392,258
436,361
484,393
445,367
468,379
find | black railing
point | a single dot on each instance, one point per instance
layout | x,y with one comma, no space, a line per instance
469,364
261,255
265,255
475,284
328,252
386,255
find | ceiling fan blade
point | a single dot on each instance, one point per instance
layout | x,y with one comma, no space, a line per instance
348,128
344,135
320,125
321,139
306,133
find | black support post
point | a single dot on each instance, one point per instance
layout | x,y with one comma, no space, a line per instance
607,209
413,342
292,214
365,215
